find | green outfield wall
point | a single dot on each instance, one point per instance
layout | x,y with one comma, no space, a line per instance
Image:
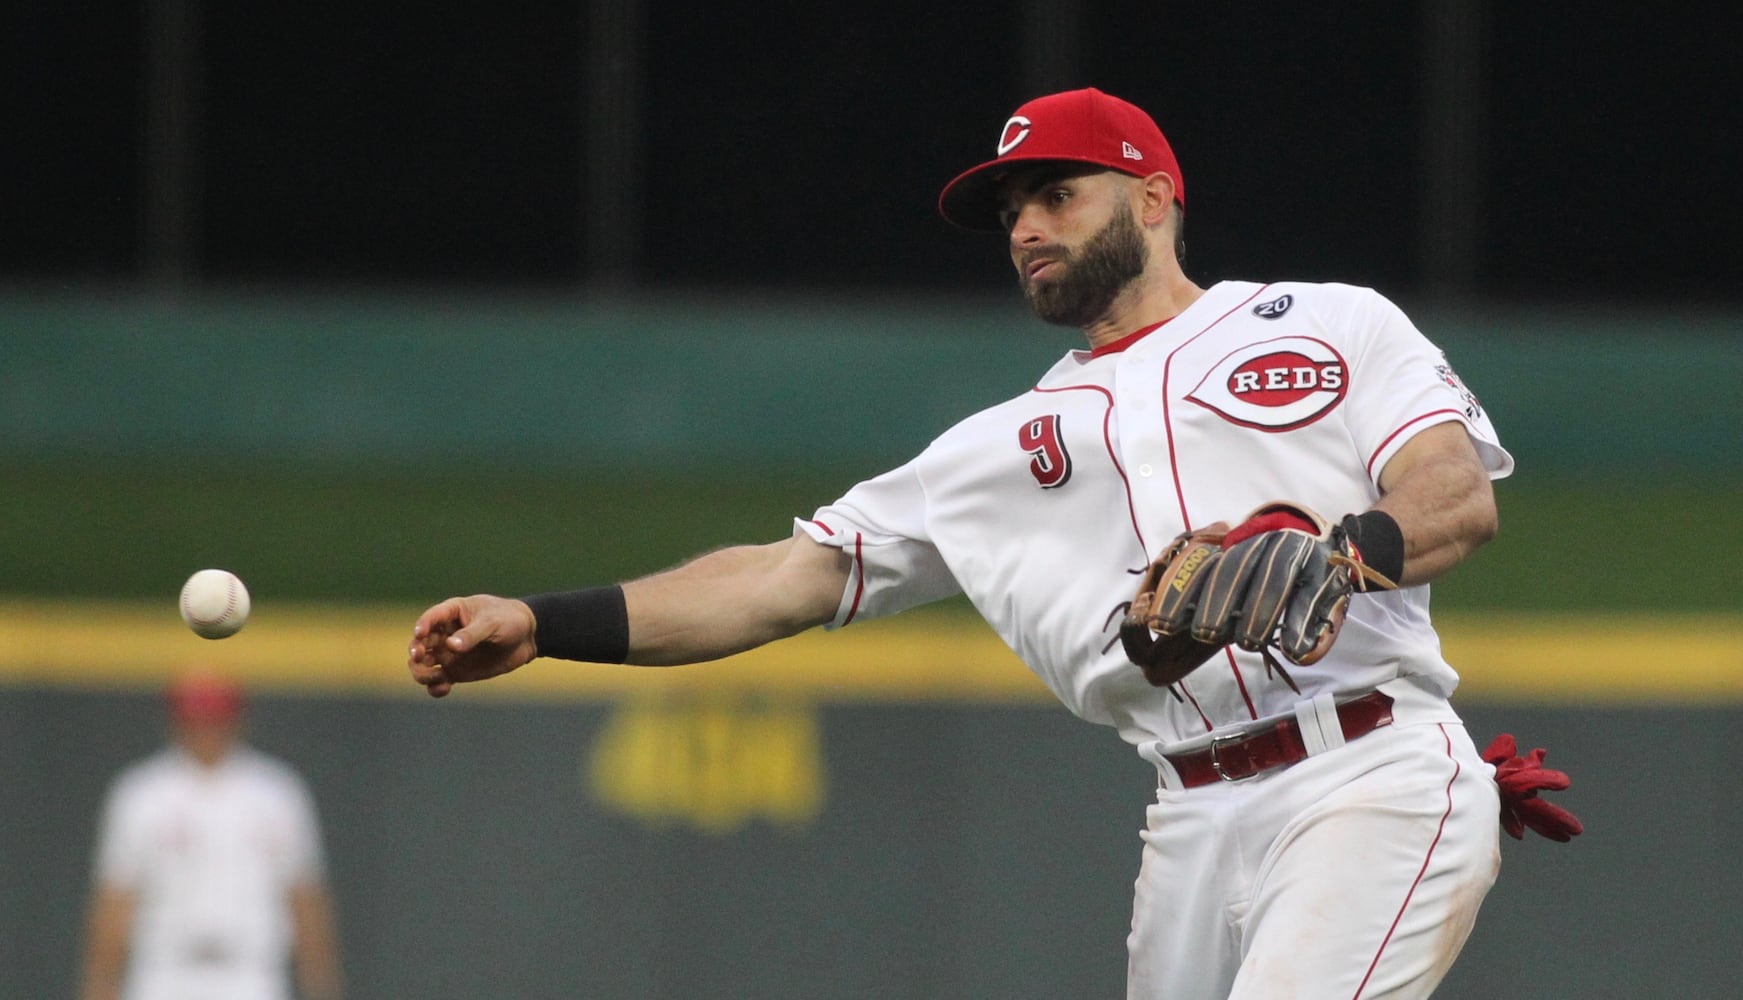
681,382
385,448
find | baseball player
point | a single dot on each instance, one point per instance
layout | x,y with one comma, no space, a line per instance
1324,826
209,869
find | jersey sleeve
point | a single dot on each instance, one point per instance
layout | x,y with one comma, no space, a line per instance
1402,384
305,861
881,525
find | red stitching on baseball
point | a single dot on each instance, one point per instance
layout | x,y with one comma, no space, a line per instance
229,606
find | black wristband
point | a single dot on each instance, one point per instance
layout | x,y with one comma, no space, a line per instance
1379,540
589,625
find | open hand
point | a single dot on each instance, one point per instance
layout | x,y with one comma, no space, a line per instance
465,639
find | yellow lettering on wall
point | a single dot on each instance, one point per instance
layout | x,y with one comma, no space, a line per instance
714,765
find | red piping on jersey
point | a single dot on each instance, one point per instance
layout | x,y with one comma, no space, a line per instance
1240,681
1420,872
827,530
1167,414
1107,440
859,576
1407,425
1195,705
1174,468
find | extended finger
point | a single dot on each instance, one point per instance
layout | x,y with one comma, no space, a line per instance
433,676
483,625
425,667
426,660
428,649
440,618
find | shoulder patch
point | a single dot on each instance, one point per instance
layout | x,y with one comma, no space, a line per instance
1275,385
1473,409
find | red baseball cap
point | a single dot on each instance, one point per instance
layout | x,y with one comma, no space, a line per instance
1077,126
204,696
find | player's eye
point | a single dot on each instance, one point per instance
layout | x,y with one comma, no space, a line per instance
1058,196
1008,218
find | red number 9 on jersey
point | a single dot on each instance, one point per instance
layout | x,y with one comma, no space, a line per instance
1051,463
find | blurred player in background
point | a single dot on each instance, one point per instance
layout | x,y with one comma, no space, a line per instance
1328,831
209,868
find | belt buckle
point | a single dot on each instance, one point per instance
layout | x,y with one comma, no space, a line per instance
1216,761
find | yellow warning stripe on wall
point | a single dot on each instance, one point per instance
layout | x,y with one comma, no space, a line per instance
918,657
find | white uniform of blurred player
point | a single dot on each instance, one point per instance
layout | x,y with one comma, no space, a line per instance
1351,867
209,868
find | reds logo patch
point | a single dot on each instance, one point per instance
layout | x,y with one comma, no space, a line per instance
1275,385
1049,462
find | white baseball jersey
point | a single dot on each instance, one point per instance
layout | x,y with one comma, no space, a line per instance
211,854
1045,508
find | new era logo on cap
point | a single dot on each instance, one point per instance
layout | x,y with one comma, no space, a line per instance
1077,126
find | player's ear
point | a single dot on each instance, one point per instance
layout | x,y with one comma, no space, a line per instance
1156,196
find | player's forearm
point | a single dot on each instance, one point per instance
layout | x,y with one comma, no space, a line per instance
732,600
107,929
101,982
317,946
1445,508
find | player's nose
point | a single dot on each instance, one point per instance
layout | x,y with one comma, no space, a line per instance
1025,232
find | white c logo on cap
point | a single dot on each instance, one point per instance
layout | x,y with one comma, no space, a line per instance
1007,141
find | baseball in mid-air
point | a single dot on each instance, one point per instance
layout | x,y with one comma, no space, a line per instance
215,603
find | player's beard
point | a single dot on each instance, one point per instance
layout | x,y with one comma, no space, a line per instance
1093,275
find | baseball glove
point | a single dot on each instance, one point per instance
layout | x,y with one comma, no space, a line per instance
1282,577
1169,594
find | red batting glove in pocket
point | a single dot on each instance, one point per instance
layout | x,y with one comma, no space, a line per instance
1520,779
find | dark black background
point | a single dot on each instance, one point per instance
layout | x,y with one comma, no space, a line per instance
801,146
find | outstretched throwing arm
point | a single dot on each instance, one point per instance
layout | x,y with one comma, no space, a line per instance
725,602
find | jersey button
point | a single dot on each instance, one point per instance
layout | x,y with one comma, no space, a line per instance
1145,470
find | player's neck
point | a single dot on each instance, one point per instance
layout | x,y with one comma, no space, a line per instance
1146,302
